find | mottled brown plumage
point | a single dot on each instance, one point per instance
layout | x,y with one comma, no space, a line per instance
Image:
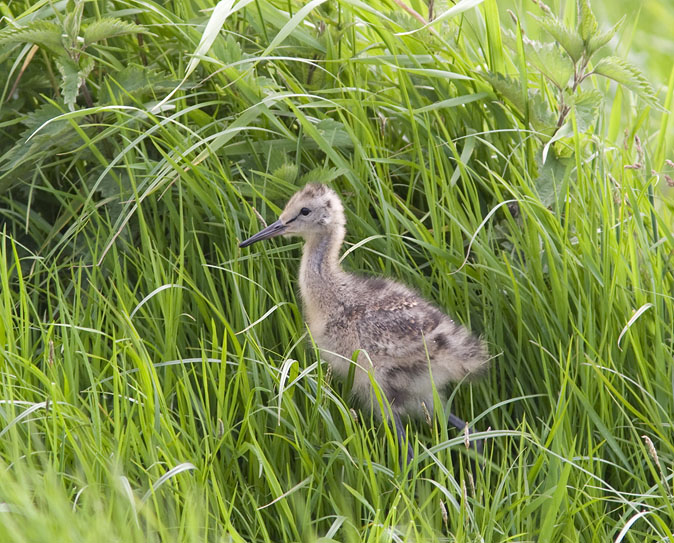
406,342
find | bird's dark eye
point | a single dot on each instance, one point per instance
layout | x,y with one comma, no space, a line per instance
305,211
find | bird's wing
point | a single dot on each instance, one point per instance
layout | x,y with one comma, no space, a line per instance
398,325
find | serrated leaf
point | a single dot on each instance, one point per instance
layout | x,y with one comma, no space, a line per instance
133,78
70,80
42,33
52,135
586,105
131,81
265,85
628,75
322,175
552,63
86,65
550,183
547,58
568,39
110,27
227,50
540,116
73,21
334,133
588,22
23,153
40,117
286,172
508,87
136,82
597,42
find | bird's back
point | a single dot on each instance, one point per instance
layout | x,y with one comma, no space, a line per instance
407,341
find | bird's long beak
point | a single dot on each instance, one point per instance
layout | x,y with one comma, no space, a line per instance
275,229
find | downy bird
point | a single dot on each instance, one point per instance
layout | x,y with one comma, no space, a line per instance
406,342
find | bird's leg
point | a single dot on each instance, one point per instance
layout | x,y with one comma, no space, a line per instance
402,441
462,425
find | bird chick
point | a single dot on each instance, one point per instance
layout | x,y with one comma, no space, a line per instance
409,345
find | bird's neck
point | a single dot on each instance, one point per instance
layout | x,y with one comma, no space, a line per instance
320,260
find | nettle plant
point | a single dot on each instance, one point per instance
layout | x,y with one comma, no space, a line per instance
66,38
564,65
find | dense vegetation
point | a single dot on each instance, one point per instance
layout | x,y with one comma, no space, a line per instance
157,383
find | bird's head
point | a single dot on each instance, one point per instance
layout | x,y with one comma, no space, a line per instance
312,211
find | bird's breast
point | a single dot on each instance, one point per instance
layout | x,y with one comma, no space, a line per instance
333,330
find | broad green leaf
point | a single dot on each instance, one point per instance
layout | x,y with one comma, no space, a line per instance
86,65
547,58
552,178
70,80
131,79
334,133
22,154
43,33
509,88
627,75
109,28
287,172
598,41
137,82
73,22
540,115
552,62
568,39
586,105
588,22
42,143
322,175
40,117
534,106
227,50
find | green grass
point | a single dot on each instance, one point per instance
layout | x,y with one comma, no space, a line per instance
158,384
